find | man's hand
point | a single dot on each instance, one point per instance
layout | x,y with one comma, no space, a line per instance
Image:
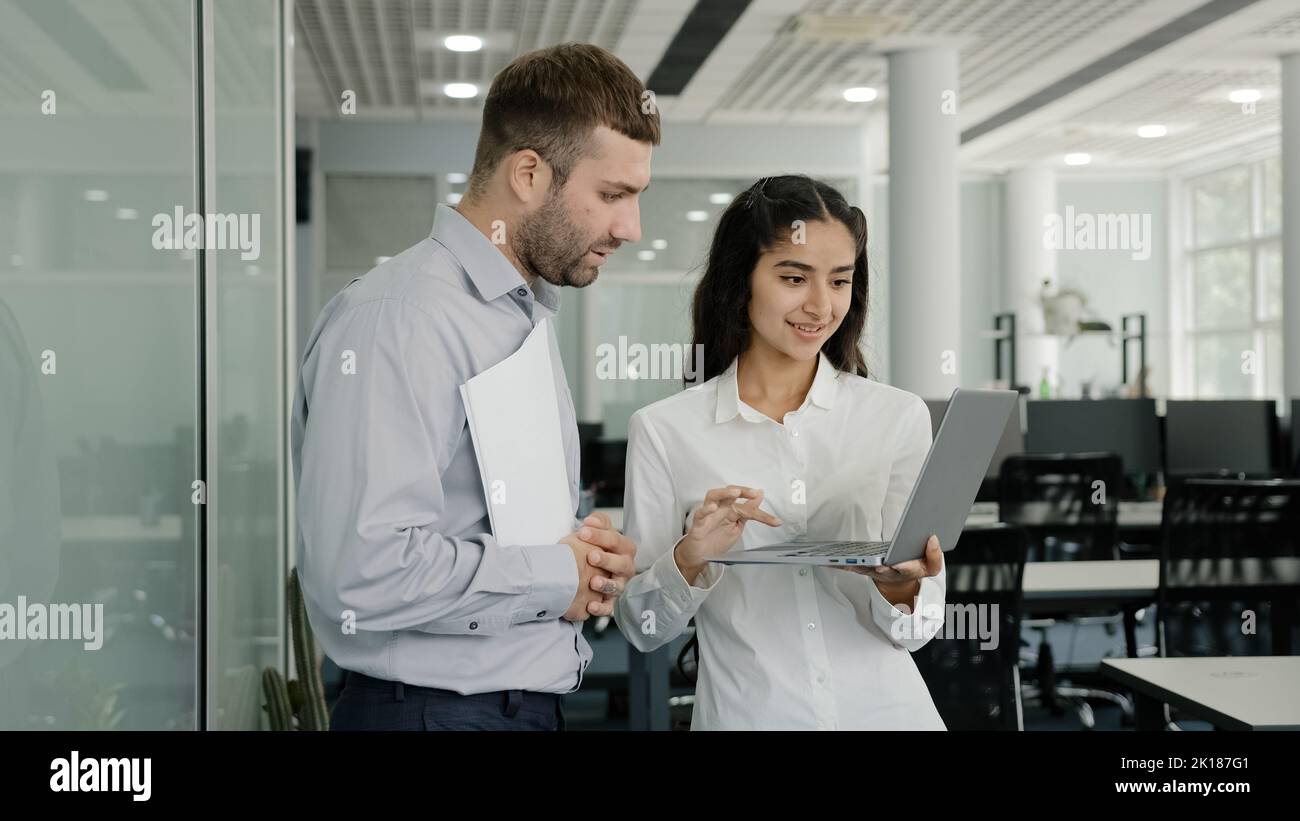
616,559
606,562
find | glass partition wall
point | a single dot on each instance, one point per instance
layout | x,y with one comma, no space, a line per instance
143,515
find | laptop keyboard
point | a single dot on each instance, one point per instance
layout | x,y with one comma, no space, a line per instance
846,549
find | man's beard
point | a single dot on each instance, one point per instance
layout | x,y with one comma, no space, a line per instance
549,245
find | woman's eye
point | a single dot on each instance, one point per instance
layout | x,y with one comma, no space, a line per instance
793,280
840,282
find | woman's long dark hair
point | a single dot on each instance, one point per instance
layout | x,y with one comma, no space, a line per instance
753,223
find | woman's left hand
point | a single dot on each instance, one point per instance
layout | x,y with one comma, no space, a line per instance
905,572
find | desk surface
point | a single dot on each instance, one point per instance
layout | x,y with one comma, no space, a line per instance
1131,514
1084,580
1238,693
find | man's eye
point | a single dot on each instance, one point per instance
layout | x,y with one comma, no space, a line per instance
612,197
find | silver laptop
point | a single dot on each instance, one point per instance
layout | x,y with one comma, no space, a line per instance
941,498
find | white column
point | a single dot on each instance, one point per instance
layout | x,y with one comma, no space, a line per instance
924,223
1030,198
1291,225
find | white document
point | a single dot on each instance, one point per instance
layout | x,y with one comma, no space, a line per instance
514,419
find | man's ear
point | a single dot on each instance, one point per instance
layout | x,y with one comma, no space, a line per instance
528,175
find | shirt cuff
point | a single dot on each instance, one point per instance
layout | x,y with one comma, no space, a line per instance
555,582
909,630
687,597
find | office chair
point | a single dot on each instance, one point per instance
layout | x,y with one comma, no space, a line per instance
976,687
1229,570
1068,506
1229,547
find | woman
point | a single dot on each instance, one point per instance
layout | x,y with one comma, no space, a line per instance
786,438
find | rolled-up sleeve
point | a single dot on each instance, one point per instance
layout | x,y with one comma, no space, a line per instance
658,602
924,616
383,422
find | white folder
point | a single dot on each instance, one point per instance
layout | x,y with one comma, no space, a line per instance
514,419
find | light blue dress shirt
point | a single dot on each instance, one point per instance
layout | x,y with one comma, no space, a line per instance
400,572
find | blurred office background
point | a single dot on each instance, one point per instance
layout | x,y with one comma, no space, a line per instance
957,126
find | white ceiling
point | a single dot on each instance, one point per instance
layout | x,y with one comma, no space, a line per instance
769,69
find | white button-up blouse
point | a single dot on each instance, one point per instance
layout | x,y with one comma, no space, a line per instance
783,647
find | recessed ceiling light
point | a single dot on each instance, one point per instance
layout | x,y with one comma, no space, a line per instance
463,42
453,198
697,216
1245,95
457,178
1150,131
461,91
127,213
659,244
860,94
1078,158
719,198
95,195
381,260
645,256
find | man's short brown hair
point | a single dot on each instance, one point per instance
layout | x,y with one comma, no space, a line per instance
551,100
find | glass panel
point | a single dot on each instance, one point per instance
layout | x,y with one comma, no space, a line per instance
1273,363
1222,287
245,501
1221,371
643,335
1270,281
369,217
97,365
1271,216
1222,207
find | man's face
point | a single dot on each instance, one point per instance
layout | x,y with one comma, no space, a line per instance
569,236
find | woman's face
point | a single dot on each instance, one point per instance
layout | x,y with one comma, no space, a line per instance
800,291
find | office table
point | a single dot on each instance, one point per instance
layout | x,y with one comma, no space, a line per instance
1237,693
1132,515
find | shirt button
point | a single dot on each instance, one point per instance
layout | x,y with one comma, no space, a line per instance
522,292
812,626
474,625
803,571
540,614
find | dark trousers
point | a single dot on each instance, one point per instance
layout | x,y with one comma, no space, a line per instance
368,703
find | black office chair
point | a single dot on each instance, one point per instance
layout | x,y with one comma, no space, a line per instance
1229,570
1068,506
1230,549
975,687
1067,503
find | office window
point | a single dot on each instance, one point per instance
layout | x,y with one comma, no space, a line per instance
1235,281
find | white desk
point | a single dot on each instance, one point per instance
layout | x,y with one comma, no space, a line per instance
1238,693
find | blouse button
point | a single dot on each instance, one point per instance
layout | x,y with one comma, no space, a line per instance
812,626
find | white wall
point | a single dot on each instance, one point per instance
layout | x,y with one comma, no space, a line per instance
1115,283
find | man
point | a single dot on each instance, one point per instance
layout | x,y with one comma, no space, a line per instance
439,625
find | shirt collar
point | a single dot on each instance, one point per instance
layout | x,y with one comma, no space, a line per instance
488,269
822,393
